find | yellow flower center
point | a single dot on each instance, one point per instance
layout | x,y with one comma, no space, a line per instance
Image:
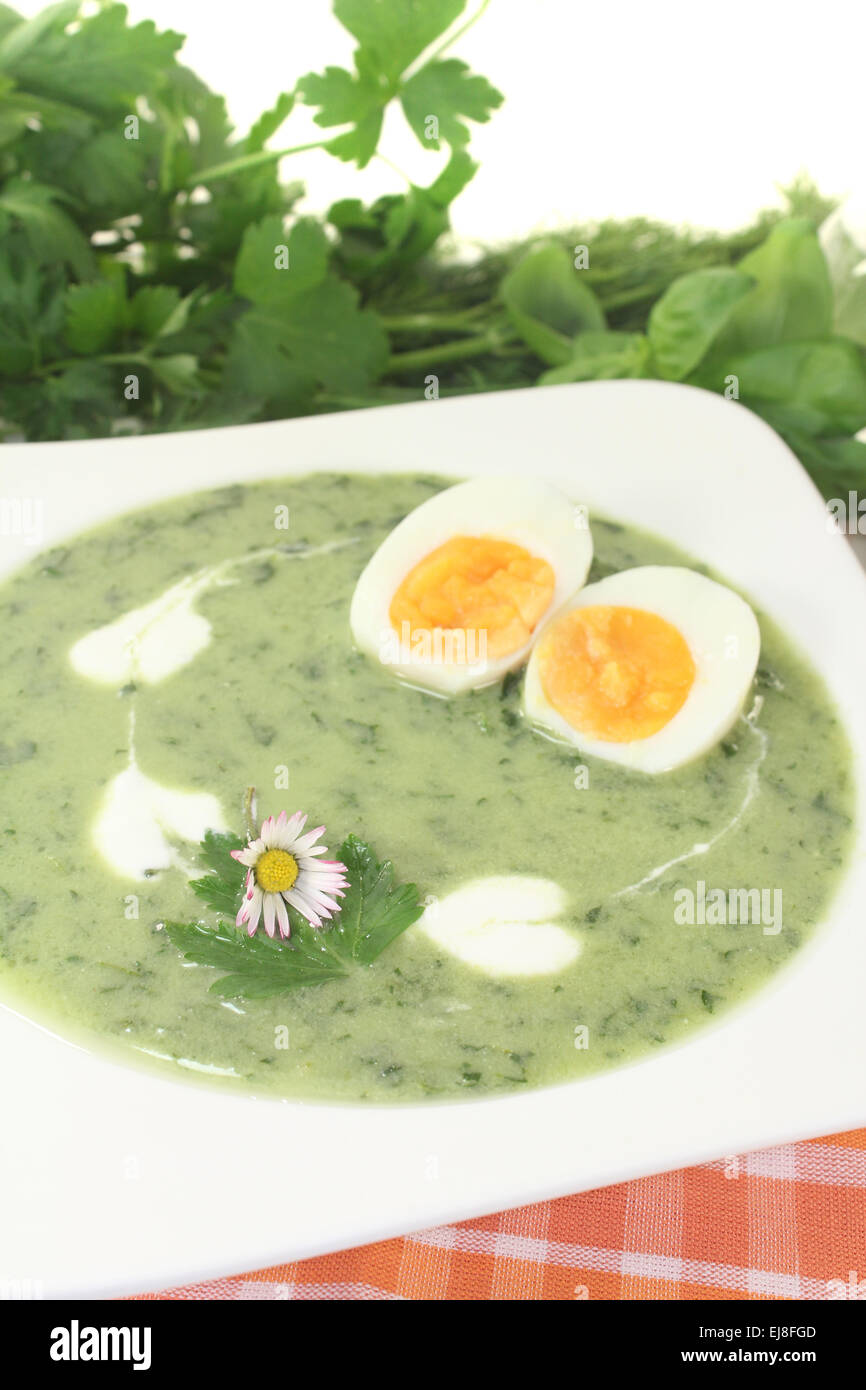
276,871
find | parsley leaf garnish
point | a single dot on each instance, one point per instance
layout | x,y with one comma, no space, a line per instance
221,886
256,967
374,912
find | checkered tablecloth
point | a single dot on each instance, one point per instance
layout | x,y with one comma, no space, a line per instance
784,1223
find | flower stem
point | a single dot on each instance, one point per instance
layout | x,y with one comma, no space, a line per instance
250,813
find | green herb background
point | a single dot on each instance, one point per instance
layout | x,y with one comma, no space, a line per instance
154,257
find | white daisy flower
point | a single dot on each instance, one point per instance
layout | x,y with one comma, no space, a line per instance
283,867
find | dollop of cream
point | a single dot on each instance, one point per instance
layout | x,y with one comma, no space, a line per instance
138,814
503,926
147,644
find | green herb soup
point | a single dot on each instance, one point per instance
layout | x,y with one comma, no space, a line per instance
450,790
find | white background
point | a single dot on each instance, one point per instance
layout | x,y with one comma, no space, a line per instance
679,109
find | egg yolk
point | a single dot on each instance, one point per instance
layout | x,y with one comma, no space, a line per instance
476,584
616,674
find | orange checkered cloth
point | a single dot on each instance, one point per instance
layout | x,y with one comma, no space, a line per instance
784,1223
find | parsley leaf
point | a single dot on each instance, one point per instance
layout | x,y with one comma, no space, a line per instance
346,98
93,316
259,272
269,122
157,310
103,63
50,234
393,234
177,373
258,369
374,911
447,90
396,32
301,313
221,886
330,337
104,173
21,35
258,967
392,34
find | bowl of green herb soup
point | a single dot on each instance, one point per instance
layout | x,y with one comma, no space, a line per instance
449,790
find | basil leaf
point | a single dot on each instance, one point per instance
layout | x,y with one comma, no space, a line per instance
792,299
817,387
548,303
838,466
602,357
689,315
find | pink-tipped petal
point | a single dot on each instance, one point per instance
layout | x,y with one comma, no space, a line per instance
252,910
270,914
319,884
301,904
283,918
303,844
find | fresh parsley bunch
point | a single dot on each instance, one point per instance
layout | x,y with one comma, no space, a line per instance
138,285
139,288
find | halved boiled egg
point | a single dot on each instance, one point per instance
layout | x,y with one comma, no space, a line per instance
454,596
649,667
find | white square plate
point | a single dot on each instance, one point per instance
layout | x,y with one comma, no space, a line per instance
113,1180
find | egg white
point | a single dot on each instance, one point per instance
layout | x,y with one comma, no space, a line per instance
524,511
724,639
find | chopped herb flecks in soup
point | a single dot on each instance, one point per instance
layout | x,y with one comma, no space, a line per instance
540,878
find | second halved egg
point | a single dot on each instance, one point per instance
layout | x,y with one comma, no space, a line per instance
649,667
